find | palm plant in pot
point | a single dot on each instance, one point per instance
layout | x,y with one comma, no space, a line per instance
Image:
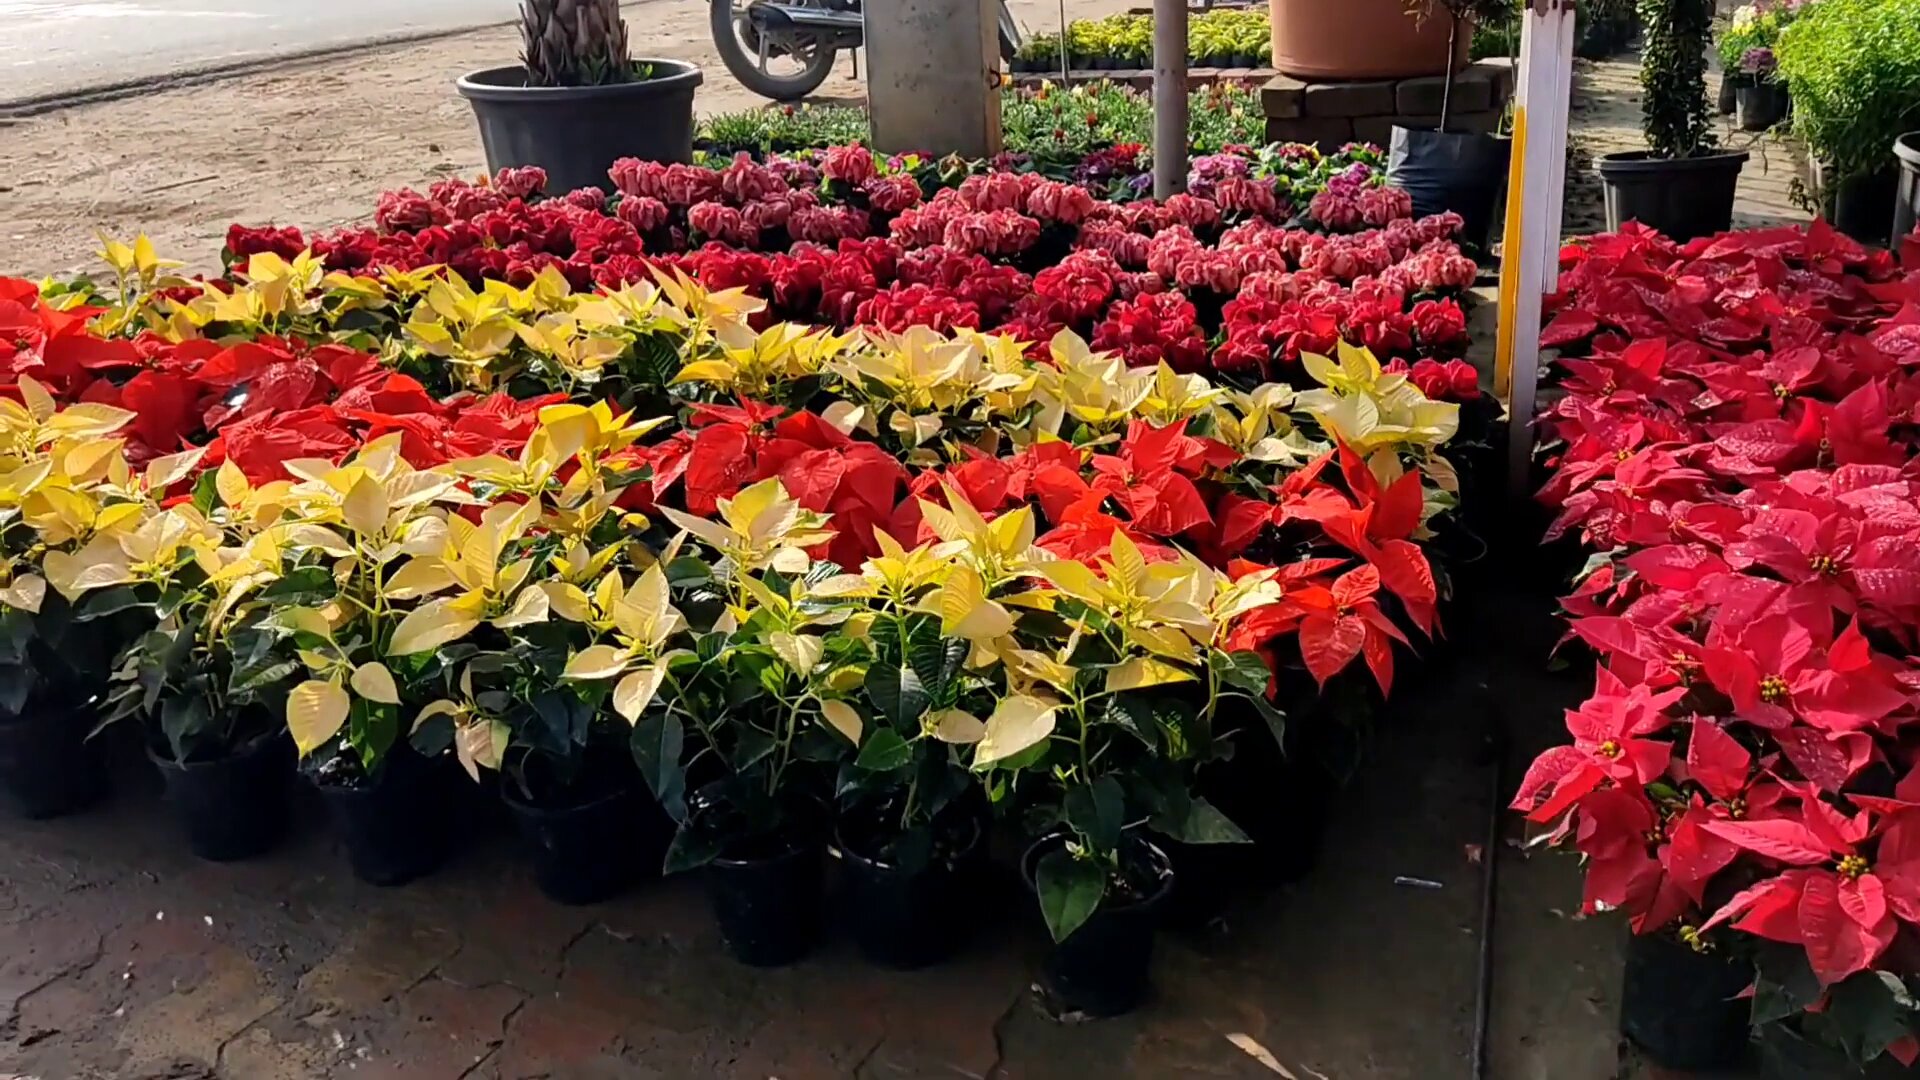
1442,169
1682,185
577,101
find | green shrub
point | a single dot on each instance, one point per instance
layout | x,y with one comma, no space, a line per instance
1853,68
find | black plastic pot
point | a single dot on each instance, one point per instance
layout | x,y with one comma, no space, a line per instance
47,766
1683,198
1862,206
1906,198
1786,1055
910,918
1451,170
1102,968
576,133
1680,1007
769,906
1729,100
395,825
234,807
595,850
1761,105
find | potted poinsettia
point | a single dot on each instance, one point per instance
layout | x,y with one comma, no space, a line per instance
1109,708
51,665
1682,184
721,669
558,744
207,679
578,101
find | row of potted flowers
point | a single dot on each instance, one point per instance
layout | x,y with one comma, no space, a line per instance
1736,447
803,587
853,244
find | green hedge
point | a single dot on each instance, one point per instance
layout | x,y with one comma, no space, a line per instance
1853,68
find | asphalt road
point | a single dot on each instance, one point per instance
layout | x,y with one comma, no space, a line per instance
65,46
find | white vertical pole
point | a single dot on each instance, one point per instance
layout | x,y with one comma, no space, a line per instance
1532,235
1169,97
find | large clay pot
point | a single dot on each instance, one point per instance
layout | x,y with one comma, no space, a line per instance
1317,39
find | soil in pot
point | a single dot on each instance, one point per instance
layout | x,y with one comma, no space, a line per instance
593,838
1761,105
576,133
1787,1055
1103,968
394,822
47,765
1681,1007
1682,197
1451,170
234,806
910,900
1906,201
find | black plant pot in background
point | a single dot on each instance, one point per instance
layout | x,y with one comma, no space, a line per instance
1682,197
1862,206
769,905
576,133
593,850
395,824
1730,84
911,917
1451,170
1681,1007
1906,200
47,765
1103,968
1786,1055
233,807
1761,105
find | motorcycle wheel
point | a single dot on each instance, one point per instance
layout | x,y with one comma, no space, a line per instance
743,59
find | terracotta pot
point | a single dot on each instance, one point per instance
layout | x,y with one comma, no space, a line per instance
1315,39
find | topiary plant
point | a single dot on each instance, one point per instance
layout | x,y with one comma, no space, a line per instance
1673,70
574,43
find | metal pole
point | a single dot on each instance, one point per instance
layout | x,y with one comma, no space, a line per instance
1169,97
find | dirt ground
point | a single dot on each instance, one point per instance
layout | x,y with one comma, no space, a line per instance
311,145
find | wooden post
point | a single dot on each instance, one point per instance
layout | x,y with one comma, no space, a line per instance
1169,97
1529,264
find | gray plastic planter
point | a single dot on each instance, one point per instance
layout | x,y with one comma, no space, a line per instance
576,132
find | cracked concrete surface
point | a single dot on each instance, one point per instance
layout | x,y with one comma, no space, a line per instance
123,957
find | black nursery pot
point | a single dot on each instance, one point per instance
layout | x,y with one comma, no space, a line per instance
910,918
1729,100
394,825
1906,202
1786,1055
1862,206
768,904
234,807
1761,105
1103,968
1682,197
1451,170
47,765
1680,1007
576,133
594,850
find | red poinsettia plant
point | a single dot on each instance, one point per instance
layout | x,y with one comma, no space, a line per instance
1737,445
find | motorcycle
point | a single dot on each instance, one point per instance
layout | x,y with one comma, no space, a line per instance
784,49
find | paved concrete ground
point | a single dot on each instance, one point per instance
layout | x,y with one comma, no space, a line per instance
122,957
